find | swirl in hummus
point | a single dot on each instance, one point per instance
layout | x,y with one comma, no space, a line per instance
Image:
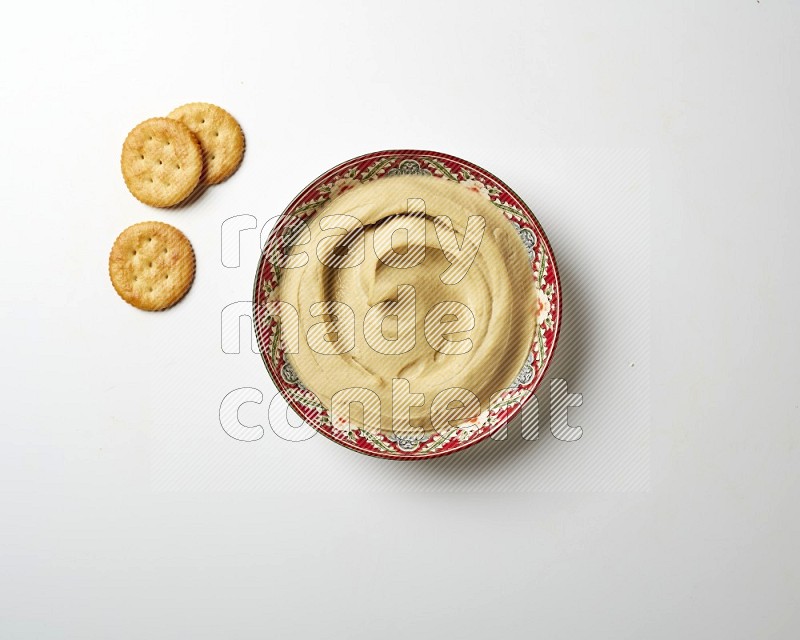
405,291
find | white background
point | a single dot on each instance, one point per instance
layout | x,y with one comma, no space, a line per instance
110,527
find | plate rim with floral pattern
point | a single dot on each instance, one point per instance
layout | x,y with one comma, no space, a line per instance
545,278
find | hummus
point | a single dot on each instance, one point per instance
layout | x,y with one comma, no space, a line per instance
413,287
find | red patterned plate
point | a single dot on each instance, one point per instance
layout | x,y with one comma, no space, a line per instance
544,274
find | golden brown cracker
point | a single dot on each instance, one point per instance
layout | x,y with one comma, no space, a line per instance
162,162
220,136
151,265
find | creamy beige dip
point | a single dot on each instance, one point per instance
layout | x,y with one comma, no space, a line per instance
460,315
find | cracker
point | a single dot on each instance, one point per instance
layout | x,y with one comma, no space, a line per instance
161,162
151,265
220,136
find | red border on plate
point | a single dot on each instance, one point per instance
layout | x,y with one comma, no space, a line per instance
361,163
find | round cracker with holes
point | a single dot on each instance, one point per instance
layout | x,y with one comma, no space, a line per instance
220,137
161,162
151,265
